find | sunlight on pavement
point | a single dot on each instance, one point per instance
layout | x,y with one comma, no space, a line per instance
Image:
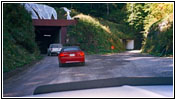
135,51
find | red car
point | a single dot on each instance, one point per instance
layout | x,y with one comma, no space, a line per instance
71,54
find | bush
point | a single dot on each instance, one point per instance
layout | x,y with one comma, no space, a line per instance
19,47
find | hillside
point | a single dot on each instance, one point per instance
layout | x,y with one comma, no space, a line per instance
19,47
96,34
93,37
121,30
160,38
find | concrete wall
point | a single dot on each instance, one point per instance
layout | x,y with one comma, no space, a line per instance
130,44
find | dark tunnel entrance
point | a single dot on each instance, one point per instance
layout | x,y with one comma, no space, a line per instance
51,31
46,35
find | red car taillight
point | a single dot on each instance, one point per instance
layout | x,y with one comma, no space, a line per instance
63,55
81,53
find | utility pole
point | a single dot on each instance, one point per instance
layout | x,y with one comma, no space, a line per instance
71,5
91,5
107,9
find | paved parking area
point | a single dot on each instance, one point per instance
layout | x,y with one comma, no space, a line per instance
127,64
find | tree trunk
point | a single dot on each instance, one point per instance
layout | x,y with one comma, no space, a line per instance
71,5
107,9
91,6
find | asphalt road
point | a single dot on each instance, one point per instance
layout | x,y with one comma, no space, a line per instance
47,71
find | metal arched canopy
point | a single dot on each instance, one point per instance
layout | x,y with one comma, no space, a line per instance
39,11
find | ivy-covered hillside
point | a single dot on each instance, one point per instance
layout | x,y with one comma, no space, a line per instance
19,47
94,37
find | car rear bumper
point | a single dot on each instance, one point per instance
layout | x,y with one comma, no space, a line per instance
72,60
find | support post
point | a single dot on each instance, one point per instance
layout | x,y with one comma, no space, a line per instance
63,34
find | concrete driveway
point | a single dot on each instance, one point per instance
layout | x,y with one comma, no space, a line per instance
127,64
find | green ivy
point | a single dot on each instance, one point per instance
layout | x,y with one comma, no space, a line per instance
19,47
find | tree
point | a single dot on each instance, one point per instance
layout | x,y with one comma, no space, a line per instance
107,9
135,18
156,12
136,15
